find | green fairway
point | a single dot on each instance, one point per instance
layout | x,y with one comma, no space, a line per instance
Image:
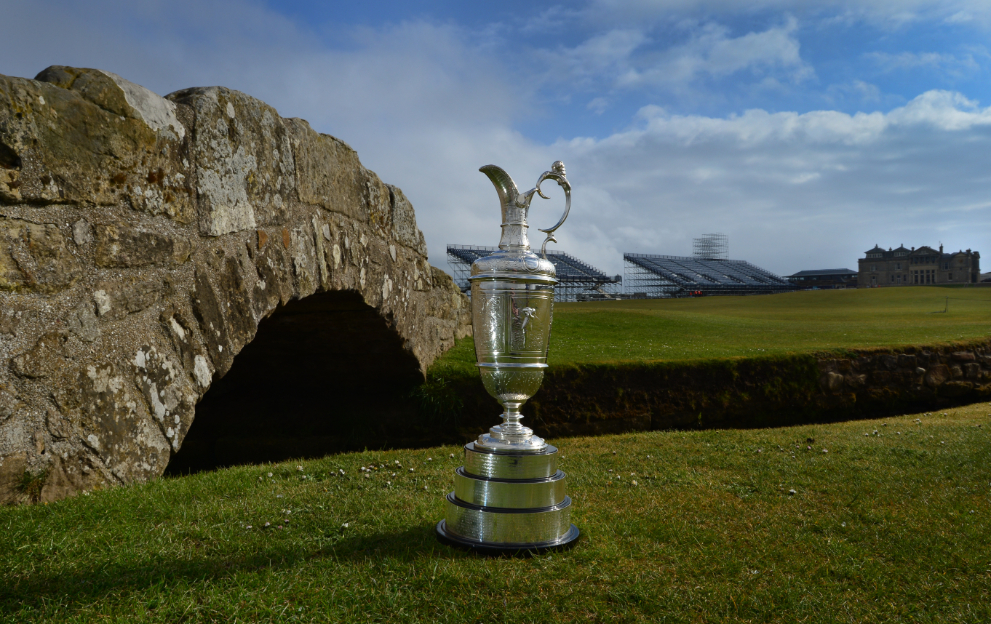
715,327
721,327
804,524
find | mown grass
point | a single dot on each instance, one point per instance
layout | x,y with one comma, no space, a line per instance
890,526
721,327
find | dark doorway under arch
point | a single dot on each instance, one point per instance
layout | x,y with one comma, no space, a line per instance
324,374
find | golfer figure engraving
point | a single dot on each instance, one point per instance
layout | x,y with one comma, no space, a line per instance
510,495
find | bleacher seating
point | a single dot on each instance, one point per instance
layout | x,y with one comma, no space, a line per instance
673,275
575,277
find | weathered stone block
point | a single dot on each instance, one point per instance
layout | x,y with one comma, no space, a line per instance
882,377
83,322
12,469
87,137
404,228
9,403
246,172
122,247
937,375
35,258
834,381
855,381
890,362
964,356
329,172
45,357
956,389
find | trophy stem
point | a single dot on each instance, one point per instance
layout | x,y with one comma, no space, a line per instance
511,435
511,418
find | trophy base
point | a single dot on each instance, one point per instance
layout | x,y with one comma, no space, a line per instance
500,440
507,502
494,548
527,445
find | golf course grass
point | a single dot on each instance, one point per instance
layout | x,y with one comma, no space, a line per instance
734,327
865,521
868,521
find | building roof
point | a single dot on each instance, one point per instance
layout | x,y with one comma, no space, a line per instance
876,248
825,273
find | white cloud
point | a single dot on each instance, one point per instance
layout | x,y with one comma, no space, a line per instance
956,66
629,59
605,54
793,191
598,105
425,104
889,14
859,92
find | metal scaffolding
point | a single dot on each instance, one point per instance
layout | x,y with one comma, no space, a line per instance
711,247
675,276
577,280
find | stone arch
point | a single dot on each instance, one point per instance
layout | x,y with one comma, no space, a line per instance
144,241
323,374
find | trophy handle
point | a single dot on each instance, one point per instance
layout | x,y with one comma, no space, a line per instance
558,175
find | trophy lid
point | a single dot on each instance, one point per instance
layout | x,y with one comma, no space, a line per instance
518,265
515,259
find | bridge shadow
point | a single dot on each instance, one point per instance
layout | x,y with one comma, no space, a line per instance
324,374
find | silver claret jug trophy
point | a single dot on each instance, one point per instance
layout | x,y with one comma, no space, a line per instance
509,495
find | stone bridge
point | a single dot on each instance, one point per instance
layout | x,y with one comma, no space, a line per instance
194,281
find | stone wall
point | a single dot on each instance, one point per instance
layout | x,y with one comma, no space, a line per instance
142,241
923,376
595,399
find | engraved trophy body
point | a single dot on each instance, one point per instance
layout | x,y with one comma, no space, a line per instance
509,495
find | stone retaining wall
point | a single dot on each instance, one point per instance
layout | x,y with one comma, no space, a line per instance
924,376
593,399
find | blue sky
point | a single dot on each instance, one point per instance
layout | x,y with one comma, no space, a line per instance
806,131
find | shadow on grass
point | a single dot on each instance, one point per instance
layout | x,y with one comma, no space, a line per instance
99,580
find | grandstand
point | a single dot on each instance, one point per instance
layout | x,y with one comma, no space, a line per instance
676,276
577,280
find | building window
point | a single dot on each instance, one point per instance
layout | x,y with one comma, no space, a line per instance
873,267
892,279
898,265
950,277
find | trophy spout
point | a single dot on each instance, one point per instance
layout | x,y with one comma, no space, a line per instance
514,211
503,183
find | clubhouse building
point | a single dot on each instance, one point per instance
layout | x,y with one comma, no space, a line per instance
917,267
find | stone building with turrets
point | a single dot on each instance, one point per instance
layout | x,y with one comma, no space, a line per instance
917,267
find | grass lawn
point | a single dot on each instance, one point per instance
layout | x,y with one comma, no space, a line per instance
719,327
891,526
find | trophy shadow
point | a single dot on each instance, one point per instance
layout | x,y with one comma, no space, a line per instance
102,579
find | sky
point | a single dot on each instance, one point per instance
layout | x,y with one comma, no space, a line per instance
807,131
